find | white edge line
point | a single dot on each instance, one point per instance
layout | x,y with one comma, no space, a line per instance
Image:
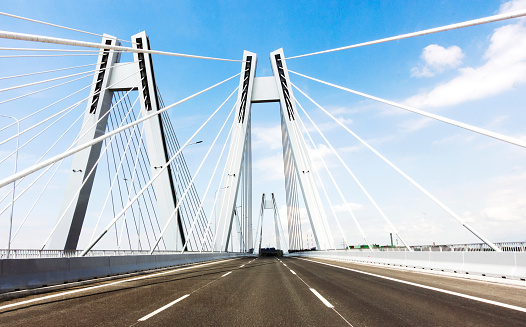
475,298
228,273
322,299
163,308
109,284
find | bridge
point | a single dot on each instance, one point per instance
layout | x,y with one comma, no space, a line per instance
118,208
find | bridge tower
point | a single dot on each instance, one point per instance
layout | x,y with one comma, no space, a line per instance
115,76
276,88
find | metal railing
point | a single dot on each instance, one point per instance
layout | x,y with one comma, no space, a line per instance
504,246
28,254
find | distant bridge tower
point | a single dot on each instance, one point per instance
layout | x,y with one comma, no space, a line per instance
276,88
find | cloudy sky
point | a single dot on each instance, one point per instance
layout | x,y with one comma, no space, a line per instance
474,75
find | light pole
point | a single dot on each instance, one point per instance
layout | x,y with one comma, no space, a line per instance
14,185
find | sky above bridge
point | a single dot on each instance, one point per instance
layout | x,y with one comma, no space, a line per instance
475,75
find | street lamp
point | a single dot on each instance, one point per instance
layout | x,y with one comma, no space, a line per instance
14,185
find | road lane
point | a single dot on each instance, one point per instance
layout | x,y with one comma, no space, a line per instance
116,304
271,292
488,288
263,293
371,301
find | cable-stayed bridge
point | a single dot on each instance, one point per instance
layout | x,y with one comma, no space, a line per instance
97,182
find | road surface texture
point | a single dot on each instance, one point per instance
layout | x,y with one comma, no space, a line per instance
271,291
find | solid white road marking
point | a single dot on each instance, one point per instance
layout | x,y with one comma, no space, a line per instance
226,274
475,298
322,299
163,308
109,284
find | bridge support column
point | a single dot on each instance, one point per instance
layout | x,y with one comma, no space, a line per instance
66,235
165,192
228,196
300,155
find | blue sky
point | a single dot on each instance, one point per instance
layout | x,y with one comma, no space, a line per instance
476,75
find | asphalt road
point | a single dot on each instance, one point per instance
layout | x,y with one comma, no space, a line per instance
272,292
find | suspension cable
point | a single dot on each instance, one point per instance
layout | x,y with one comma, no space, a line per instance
48,39
55,25
53,79
218,188
52,175
412,181
47,71
191,182
50,105
50,55
45,89
304,154
380,211
65,154
210,182
468,23
475,129
197,171
39,133
48,50
235,139
345,203
161,170
86,178
58,113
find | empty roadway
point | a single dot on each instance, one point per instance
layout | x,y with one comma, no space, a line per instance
272,292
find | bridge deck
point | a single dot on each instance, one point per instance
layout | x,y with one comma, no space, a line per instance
265,292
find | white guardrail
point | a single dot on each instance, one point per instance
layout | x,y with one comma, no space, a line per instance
504,246
477,247
33,254
494,264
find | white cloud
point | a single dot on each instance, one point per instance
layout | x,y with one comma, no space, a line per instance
503,210
343,207
511,6
267,137
505,67
437,59
413,125
345,121
271,168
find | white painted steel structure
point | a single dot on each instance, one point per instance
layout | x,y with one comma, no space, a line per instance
137,76
111,76
277,88
281,241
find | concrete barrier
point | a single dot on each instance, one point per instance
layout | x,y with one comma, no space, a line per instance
23,274
495,264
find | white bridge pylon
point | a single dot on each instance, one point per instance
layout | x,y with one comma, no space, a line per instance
115,76
276,88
